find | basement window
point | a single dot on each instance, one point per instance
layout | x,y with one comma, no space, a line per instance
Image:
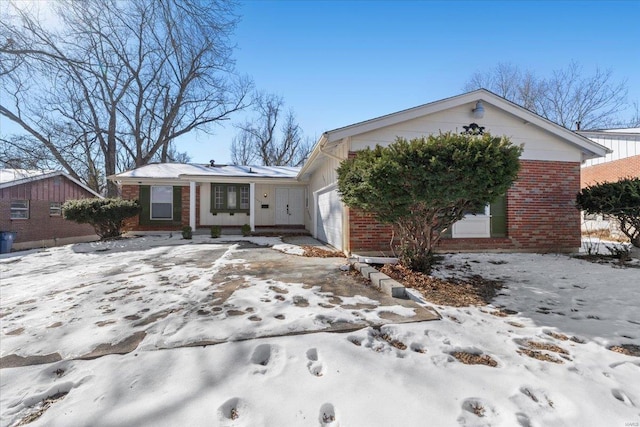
19,209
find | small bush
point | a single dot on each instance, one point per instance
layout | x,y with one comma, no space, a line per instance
620,252
620,200
216,230
187,232
105,215
246,230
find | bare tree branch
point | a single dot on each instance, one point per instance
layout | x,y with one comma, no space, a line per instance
260,138
566,97
114,83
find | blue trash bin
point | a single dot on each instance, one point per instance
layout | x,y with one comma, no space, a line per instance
6,241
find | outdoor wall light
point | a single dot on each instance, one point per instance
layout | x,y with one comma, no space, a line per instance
478,112
265,195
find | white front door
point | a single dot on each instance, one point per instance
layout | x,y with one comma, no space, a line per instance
478,225
289,206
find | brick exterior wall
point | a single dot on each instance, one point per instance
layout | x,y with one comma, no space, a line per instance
541,216
41,226
611,171
131,192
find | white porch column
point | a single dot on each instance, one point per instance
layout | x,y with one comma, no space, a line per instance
192,205
252,205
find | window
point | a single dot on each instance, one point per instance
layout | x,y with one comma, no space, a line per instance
162,202
244,197
218,197
229,198
55,209
19,209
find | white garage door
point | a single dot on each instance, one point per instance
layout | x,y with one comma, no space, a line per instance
329,220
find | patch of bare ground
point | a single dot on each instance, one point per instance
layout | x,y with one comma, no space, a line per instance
315,252
41,408
539,355
532,349
393,342
627,349
536,345
474,359
453,292
557,336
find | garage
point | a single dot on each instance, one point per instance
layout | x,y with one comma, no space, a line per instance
329,217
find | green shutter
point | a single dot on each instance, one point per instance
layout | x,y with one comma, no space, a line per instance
145,204
498,212
177,205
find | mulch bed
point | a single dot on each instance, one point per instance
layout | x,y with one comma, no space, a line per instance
315,252
453,292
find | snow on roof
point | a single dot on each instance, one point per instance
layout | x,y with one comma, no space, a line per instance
8,175
624,130
176,170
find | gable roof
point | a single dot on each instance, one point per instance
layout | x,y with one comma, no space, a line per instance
13,177
185,171
590,149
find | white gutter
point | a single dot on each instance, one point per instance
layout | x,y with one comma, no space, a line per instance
318,150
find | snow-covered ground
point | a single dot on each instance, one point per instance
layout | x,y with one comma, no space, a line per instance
395,375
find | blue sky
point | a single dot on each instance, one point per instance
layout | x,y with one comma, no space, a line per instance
337,62
340,62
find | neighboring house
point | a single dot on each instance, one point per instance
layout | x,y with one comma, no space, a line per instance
622,161
31,205
537,214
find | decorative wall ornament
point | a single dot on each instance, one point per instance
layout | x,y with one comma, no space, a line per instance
473,129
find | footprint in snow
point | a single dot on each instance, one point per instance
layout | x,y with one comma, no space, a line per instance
523,420
314,365
328,416
535,402
478,412
235,412
622,397
267,358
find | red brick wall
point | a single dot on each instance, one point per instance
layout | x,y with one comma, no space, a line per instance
541,212
130,192
366,234
186,208
541,215
40,225
611,171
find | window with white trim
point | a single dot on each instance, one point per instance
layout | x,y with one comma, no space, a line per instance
162,202
55,209
19,209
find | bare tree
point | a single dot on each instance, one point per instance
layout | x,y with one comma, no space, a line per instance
565,97
274,137
114,83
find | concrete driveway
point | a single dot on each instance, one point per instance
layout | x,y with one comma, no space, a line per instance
89,300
